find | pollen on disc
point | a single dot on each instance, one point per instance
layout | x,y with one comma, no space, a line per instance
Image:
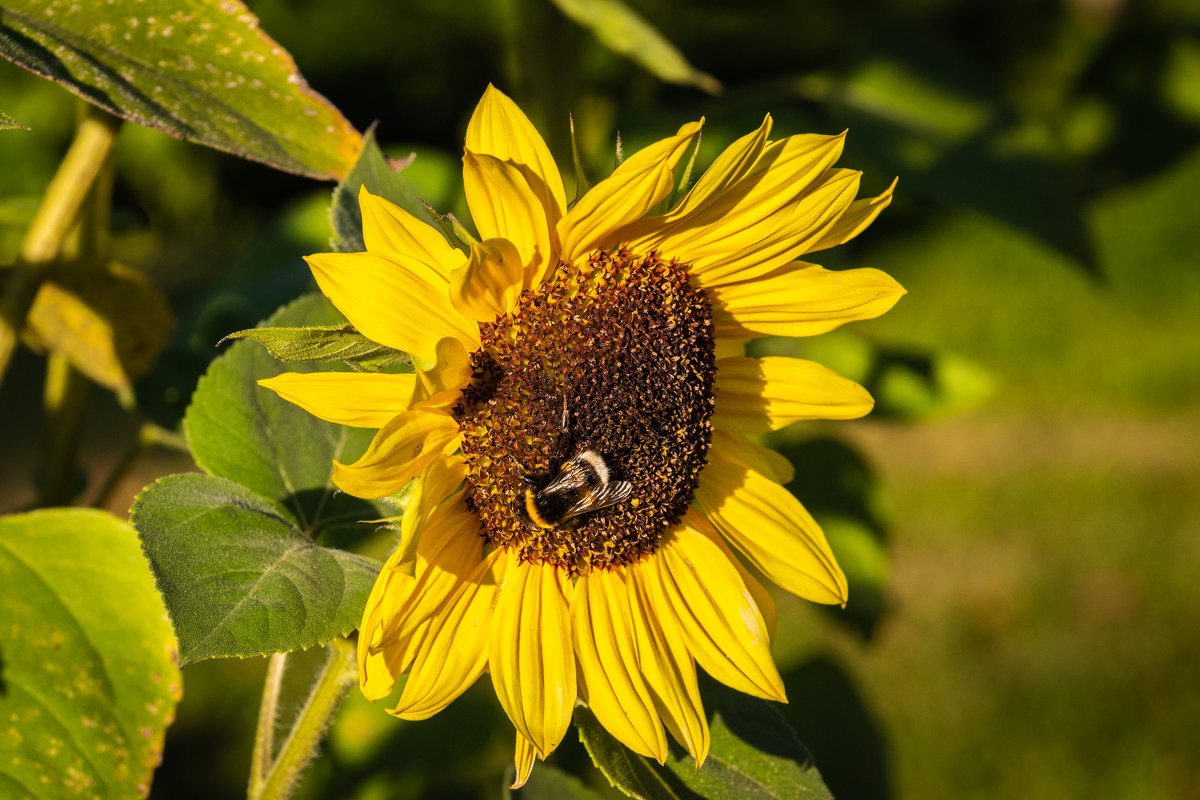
626,343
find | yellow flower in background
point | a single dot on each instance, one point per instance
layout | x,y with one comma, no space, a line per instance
577,416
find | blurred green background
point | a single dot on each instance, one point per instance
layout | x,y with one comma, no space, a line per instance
1019,518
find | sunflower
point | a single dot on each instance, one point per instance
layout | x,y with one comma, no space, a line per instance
587,501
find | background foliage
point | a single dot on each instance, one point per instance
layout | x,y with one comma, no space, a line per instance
1017,520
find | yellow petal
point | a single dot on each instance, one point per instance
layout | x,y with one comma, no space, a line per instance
754,241
454,651
392,300
721,623
530,654
438,381
448,550
442,480
666,663
854,220
523,759
377,672
504,206
489,284
611,681
397,454
634,187
732,166
737,221
361,399
389,228
756,395
761,594
499,128
740,450
770,527
800,299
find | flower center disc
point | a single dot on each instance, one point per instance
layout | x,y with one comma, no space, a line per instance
625,345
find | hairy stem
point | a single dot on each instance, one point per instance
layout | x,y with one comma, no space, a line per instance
281,777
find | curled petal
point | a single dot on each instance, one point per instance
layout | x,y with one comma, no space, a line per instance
490,282
757,395
397,454
504,206
523,758
361,399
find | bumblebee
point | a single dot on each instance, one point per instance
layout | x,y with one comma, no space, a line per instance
582,485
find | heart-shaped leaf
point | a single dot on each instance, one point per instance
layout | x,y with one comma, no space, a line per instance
200,70
240,577
88,680
237,553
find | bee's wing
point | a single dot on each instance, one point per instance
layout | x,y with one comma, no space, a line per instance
600,497
572,475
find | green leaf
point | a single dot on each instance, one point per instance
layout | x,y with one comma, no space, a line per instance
235,554
325,343
88,681
239,575
241,431
621,30
754,756
625,769
7,123
111,322
373,171
200,70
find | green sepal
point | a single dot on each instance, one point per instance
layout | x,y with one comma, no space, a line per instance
380,176
325,343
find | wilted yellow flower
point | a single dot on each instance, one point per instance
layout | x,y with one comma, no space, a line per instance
576,421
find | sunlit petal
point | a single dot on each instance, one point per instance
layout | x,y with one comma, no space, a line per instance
800,299
399,451
772,530
361,399
666,663
504,206
454,650
721,623
757,395
634,187
740,450
400,303
389,228
530,654
611,681
499,128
